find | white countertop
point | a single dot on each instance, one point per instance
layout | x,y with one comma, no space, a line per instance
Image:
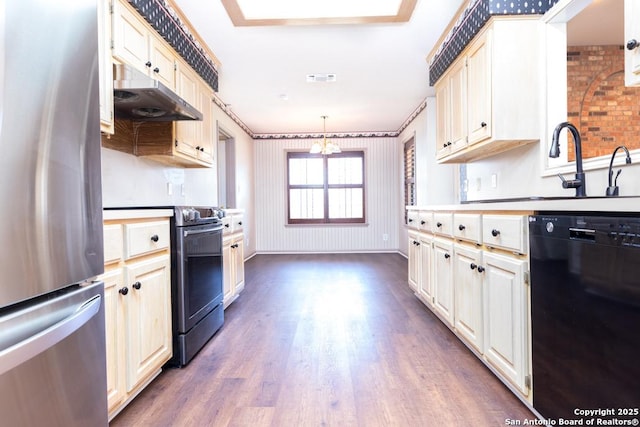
599,204
115,214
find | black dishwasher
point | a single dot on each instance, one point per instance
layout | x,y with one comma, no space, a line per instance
585,313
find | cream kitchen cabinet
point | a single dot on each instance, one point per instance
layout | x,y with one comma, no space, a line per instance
495,120
468,284
137,305
233,257
137,44
420,265
104,65
506,325
414,260
443,279
451,116
632,40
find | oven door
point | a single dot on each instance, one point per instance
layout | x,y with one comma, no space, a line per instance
199,273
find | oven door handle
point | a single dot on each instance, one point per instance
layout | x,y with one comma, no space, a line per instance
206,230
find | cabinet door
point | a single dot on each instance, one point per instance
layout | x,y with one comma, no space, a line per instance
425,282
479,89
227,271
414,260
207,134
443,102
443,278
632,32
106,69
130,37
163,65
238,265
458,108
468,294
187,131
505,307
115,337
148,318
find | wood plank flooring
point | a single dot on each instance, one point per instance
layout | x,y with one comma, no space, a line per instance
328,340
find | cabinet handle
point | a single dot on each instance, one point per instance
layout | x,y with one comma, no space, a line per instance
447,256
123,291
483,124
438,224
632,44
155,238
202,149
156,70
480,269
239,222
495,233
473,266
198,148
137,285
449,143
227,225
461,227
148,64
444,145
423,222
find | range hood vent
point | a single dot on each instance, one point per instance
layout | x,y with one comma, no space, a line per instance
137,96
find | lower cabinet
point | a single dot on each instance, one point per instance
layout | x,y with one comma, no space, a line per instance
233,267
479,290
137,306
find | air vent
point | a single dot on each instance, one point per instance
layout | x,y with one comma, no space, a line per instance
321,78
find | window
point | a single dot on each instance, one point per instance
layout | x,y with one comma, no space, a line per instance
325,189
409,175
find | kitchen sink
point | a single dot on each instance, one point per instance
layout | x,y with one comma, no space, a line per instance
539,198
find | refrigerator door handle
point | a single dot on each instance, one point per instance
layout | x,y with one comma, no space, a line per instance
19,353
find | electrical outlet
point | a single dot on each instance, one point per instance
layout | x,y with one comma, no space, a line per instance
478,184
494,180
169,189
385,237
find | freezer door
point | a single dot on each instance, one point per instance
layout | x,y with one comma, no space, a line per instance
52,360
50,191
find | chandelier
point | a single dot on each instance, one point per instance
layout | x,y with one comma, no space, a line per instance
325,146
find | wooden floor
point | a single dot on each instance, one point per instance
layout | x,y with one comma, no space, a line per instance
328,340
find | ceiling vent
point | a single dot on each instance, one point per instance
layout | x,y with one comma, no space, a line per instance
321,78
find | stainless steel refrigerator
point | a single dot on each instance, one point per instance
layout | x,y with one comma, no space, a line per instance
52,345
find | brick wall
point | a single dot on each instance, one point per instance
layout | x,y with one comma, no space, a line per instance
606,113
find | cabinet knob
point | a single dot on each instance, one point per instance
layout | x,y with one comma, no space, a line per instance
198,148
137,285
155,238
495,233
444,145
239,222
123,291
632,44
480,269
202,149
461,227
449,143
438,224
156,70
447,256
423,222
473,266
148,64
483,124
227,225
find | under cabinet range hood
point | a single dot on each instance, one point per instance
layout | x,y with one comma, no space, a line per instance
137,96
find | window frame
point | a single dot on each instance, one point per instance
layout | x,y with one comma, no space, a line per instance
410,190
325,188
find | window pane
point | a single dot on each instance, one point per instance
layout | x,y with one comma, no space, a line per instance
305,171
345,170
306,203
346,203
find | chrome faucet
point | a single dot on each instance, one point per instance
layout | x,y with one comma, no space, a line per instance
579,183
612,189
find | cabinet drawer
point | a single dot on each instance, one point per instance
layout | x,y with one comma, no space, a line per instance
226,224
505,231
468,227
412,219
145,237
425,221
112,243
443,223
236,223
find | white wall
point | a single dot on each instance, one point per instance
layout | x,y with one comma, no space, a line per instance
130,181
435,183
382,213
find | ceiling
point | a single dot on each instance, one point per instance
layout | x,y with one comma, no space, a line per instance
381,70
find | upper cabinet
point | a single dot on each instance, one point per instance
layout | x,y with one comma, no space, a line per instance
136,44
632,37
477,109
104,64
